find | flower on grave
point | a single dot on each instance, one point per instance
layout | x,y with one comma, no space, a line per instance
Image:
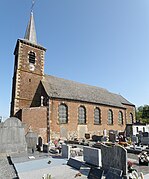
130,168
46,176
143,157
129,163
135,175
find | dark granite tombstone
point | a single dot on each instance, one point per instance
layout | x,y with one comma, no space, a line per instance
95,173
112,137
139,138
39,143
96,138
74,163
145,138
114,156
111,175
116,171
45,148
145,134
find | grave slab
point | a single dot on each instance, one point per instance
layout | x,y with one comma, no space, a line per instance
74,163
95,173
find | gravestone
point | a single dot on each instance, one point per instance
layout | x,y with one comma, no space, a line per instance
145,134
12,136
115,157
145,140
92,156
40,145
112,137
134,139
96,138
116,171
31,140
95,173
74,163
104,139
113,131
66,151
111,175
45,148
139,138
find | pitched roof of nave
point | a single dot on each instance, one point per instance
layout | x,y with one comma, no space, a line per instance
66,89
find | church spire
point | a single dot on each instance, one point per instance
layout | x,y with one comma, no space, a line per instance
31,31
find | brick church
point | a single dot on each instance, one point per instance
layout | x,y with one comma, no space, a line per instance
58,108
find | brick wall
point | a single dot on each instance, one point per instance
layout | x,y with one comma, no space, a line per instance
25,80
130,109
36,118
72,127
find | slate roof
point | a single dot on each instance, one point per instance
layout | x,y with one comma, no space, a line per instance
66,89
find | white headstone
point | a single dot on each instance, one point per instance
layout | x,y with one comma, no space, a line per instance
92,156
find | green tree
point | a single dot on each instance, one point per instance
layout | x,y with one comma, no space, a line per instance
142,114
139,112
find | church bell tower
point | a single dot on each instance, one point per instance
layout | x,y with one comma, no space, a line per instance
28,69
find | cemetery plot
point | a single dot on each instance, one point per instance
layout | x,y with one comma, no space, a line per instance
95,173
74,163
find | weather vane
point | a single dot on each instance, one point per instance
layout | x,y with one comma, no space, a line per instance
33,3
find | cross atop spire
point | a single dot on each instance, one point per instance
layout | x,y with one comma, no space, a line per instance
33,3
30,30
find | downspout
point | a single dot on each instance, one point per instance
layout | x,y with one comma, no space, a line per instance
48,120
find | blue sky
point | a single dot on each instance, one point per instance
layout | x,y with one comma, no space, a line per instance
103,43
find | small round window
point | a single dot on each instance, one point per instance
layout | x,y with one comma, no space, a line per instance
32,57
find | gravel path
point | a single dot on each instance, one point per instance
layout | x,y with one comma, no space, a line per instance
6,170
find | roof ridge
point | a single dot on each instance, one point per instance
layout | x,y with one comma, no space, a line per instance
67,89
78,82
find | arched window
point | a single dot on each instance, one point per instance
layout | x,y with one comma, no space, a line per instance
137,129
81,115
97,116
131,118
120,118
110,117
31,57
63,113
